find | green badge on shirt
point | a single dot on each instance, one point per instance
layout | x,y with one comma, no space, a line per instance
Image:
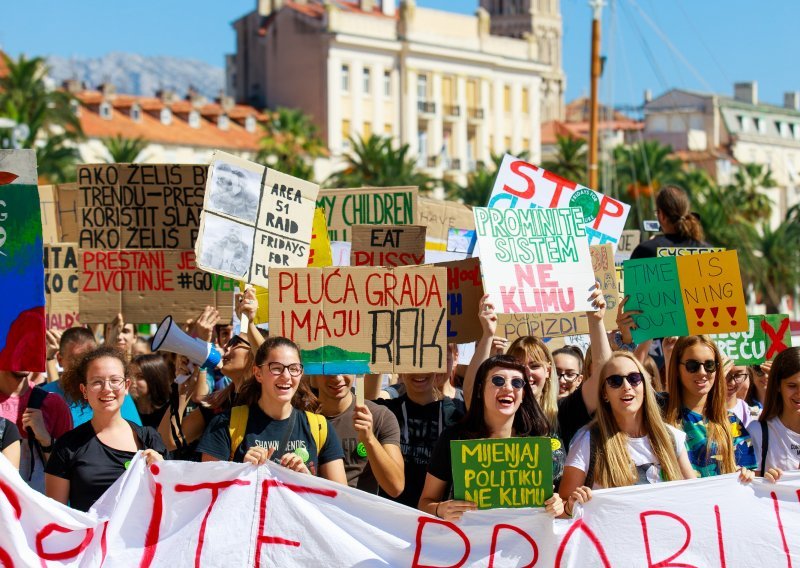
127,464
361,450
303,453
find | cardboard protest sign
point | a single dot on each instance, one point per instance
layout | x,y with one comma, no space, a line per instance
535,260
685,251
512,326
253,217
387,245
503,472
22,312
686,295
628,242
362,319
444,219
520,185
765,337
367,206
464,293
61,285
320,256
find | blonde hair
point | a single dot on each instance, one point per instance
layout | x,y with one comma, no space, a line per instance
531,347
715,411
613,464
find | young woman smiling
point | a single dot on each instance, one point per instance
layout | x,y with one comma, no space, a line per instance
716,440
89,459
628,443
503,406
274,426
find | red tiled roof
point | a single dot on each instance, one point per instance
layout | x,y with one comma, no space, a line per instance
317,10
552,129
3,66
178,132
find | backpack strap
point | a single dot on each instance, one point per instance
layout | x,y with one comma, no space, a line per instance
2,431
764,446
36,400
237,426
319,430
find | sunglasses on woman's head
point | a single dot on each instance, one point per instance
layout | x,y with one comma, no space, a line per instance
236,340
516,382
693,365
634,379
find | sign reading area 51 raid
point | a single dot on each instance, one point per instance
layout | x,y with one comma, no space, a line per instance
253,217
520,185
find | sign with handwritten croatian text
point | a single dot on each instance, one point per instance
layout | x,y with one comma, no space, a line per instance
387,245
685,295
765,337
520,185
535,260
505,472
362,319
464,293
367,206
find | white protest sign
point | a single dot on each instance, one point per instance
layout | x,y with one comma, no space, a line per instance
184,514
535,260
523,185
253,217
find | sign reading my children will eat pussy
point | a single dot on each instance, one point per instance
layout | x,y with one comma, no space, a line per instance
535,260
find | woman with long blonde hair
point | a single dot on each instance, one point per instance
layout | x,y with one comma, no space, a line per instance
716,440
533,353
627,443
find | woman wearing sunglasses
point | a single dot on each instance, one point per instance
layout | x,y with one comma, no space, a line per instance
503,406
716,440
776,434
89,459
628,442
274,425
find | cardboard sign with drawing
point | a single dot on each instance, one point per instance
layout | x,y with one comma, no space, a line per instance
367,206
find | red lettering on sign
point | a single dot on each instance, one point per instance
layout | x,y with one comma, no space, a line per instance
775,338
64,554
422,522
667,563
583,527
5,559
519,531
720,541
516,167
608,208
262,539
12,498
152,536
777,508
561,183
215,488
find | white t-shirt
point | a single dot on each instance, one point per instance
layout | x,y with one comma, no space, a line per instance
745,413
640,450
784,445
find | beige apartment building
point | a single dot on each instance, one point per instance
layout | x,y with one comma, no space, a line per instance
453,87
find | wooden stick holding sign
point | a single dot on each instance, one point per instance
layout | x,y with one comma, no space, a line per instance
253,218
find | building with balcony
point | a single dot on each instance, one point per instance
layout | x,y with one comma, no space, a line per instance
455,88
717,132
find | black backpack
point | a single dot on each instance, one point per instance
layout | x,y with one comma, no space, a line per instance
35,401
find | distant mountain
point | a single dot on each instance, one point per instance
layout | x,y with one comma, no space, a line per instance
138,75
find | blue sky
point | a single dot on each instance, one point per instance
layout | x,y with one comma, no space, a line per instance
714,42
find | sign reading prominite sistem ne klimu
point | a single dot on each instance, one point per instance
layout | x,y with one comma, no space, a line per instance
535,260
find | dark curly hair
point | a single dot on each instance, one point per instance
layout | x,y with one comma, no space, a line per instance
529,419
73,378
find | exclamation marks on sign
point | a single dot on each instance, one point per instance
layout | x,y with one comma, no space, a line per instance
714,312
699,312
732,312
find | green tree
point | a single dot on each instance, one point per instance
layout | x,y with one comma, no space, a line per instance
777,255
748,180
290,143
481,181
124,150
374,162
570,159
53,128
641,169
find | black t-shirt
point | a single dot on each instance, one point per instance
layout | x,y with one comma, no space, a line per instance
10,433
154,418
572,415
420,428
648,249
266,432
441,465
90,466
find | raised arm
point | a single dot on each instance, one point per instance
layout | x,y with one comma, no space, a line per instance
483,347
601,350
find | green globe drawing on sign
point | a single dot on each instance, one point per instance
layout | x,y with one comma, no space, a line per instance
588,201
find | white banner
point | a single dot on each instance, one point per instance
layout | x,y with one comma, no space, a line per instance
222,514
520,185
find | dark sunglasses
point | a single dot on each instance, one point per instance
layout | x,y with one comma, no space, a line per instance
516,382
634,379
692,365
236,340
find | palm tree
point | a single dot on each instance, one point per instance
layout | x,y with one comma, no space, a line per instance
570,160
51,122
124,150
480,182
779,254
374,162
290,143
747,181
641,169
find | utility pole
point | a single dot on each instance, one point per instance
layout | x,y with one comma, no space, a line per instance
597,8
